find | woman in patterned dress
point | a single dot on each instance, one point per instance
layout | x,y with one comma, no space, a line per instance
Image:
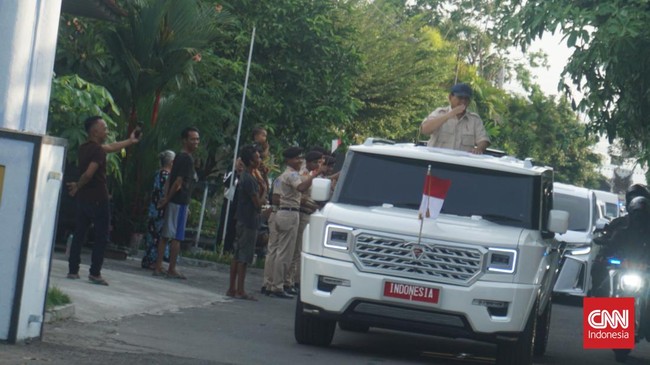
156,215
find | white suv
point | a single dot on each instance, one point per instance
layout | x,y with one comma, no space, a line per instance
579,252
484,269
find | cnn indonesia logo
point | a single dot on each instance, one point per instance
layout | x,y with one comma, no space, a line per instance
608,323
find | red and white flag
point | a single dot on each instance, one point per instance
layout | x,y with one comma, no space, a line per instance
435,191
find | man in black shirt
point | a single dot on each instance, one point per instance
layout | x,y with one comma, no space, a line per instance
178,191
249,205
91,194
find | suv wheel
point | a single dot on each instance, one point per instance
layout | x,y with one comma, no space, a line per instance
520,351
353,327
312,330
542,330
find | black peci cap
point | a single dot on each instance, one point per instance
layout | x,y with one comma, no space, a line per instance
313,156
462,90
291,152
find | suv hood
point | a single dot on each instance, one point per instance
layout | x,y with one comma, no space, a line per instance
404,222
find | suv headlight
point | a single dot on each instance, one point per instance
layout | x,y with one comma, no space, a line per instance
338,237
631,282
501,260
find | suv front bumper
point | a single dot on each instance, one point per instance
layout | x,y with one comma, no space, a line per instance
458,312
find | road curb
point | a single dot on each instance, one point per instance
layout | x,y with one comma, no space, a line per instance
59,313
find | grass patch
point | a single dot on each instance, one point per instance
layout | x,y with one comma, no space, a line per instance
55,297
215,257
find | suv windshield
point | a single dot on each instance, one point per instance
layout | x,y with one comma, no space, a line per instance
501,197
578,209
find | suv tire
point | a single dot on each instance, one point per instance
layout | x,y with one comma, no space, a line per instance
543,328
312,330
520,351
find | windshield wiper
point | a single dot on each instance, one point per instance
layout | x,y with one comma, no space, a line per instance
498,218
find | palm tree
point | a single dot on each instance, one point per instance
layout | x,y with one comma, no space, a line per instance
157,44
155,48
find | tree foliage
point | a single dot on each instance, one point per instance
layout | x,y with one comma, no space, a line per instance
155,48
549,131
304,72
611,43
402,64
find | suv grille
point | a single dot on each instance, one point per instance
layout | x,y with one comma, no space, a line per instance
430,261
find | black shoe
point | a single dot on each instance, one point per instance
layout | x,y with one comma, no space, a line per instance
280,294
290,290
264,290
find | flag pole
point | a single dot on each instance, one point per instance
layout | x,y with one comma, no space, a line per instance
421,224
426,193
234,158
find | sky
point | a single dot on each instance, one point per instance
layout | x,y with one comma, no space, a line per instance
558,54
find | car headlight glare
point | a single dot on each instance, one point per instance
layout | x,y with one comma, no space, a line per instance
631,282
501,260
338,237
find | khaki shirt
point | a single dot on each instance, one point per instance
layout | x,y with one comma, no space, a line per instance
288,188
457,134
307,205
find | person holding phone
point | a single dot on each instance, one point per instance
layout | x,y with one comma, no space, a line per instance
91,193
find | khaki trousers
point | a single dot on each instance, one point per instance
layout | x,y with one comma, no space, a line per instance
287,223
271,252
293,276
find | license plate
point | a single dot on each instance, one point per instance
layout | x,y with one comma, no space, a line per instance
413,293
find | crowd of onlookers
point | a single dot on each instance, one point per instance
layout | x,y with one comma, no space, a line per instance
282,205
271,211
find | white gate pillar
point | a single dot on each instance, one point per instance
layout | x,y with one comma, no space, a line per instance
31,164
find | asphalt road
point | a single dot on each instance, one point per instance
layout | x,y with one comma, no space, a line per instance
246,332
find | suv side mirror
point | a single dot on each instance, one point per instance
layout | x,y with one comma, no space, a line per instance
321,189
558,221
600,224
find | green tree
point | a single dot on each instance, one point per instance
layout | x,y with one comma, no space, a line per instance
610,41
155,49
549,131
466,25
302,80
403,68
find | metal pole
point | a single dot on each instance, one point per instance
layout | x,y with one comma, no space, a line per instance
198,233
234,157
